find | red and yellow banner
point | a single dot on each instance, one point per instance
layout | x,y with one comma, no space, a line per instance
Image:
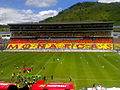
117,46
108,46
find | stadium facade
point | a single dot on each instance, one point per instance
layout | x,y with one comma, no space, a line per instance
62,36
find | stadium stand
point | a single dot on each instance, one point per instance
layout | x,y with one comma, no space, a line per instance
89,43
60,34
116,42
81,36
3,43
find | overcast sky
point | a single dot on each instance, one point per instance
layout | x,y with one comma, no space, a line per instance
18,11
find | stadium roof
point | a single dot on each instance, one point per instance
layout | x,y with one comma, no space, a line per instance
63,23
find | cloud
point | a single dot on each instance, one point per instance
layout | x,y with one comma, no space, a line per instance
108,1
9,15
41,3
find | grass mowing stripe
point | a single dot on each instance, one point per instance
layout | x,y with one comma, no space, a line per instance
83,74
108,70
47,63
93,68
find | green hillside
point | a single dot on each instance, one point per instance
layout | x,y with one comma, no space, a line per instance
85,68
89,11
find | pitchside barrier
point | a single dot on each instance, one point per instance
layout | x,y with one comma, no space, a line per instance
8,86
39,85
57,50
52,86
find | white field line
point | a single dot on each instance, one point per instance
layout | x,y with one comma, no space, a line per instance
86,79
111,64
46,63
37,73
75,79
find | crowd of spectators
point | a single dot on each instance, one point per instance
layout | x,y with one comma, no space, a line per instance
116,40
62,34
82,40
3,43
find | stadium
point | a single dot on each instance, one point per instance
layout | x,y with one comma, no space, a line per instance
61,36
82,53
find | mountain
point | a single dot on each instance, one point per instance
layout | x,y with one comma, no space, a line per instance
89,11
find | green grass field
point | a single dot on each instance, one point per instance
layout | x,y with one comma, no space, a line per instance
85,68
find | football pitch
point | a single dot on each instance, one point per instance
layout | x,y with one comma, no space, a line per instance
84,68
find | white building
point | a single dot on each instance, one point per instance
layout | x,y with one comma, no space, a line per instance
5,35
